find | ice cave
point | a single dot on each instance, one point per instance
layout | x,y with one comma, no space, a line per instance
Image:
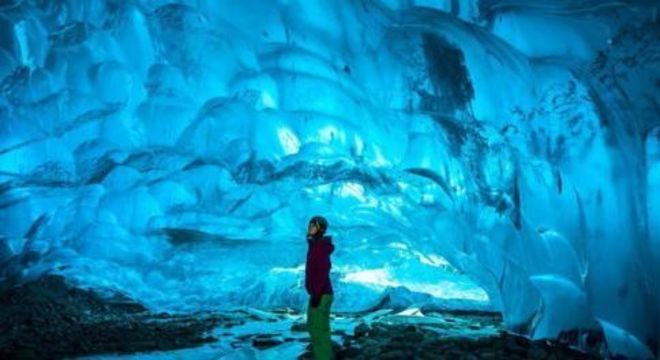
488,170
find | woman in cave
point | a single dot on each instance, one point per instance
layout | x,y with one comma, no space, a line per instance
319,287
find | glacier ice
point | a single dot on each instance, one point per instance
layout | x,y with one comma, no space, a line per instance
494,153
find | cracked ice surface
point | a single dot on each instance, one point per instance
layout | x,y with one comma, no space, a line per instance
175,150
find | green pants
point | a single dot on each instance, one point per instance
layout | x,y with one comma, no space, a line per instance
318,325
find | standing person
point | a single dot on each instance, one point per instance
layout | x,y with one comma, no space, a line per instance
319,288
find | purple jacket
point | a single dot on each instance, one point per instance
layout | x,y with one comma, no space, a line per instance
317,268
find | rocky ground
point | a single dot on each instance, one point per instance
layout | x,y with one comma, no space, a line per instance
445,335
49,319
396,341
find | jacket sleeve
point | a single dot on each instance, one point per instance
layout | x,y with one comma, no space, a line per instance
320,272
307,284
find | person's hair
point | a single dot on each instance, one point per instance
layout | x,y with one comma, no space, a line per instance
320,222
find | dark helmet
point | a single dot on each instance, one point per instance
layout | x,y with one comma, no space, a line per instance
320,222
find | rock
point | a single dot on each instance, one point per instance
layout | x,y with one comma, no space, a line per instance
516,343
413,337
393,354
264,342
537,353
299,327
489,354
361,330
348,352
50,316
370,342
371,352
378,330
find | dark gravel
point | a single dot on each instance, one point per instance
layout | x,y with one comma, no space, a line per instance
50,319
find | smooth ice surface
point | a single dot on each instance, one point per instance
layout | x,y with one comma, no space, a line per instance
480,154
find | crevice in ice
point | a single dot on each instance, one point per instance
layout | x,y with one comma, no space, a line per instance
493,154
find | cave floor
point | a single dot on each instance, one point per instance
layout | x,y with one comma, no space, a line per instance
49,319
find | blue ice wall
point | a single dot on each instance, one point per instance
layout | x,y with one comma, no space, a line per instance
486,153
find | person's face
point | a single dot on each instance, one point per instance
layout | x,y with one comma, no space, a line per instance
312,229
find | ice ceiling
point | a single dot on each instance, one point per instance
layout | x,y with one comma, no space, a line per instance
492,153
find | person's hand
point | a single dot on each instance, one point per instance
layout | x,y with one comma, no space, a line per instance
314,301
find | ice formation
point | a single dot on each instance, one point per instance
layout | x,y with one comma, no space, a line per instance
499,153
